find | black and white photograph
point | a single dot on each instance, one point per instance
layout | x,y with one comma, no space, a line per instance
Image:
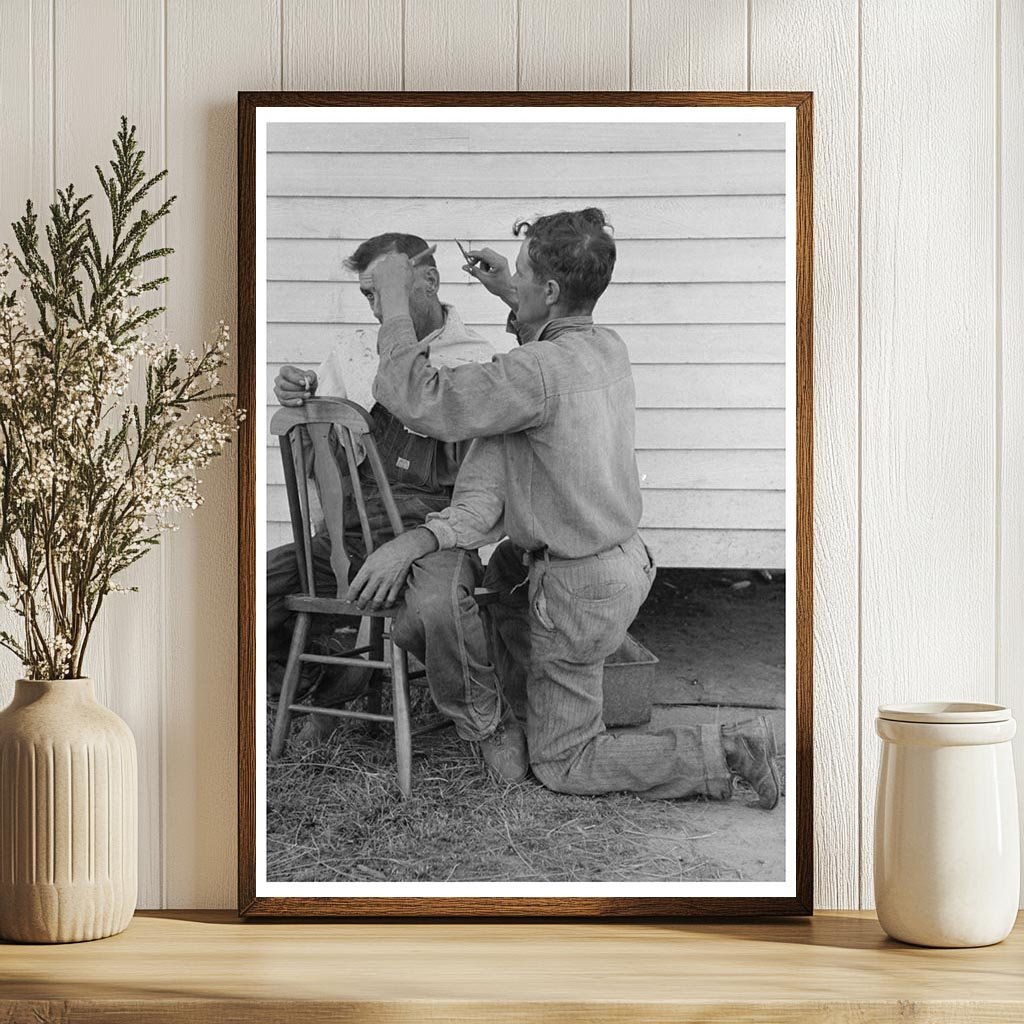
525,502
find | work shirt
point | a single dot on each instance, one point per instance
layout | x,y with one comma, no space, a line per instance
412,462
554,466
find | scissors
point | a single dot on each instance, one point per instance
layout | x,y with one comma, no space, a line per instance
471,260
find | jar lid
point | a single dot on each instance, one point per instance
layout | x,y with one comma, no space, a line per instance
945,713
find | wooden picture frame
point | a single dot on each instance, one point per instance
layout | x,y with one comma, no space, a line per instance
253,900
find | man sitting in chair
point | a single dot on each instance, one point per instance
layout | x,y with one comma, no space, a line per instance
438,622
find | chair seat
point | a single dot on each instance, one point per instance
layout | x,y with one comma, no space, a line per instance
334,606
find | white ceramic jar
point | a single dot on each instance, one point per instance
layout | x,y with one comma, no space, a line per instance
947,846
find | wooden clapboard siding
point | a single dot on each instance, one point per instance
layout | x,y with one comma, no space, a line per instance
525,137
676,509
717,549
516,175
637,261
711,428
636,217
753,470
726,385
706,429
706,299
647,343
726,302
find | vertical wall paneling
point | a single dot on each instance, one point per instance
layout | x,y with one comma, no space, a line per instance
934,605
468,45
1010,176
574,44
781,59
124,655
213,51
346,44
26,69
689,44
26,105
928,364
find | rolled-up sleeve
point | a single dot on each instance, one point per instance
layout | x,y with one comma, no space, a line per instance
477,513
456,403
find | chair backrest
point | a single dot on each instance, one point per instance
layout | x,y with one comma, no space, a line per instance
305,434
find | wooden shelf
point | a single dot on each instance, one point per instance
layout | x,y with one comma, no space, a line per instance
210,967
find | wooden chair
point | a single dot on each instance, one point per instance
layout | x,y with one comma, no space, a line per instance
309,429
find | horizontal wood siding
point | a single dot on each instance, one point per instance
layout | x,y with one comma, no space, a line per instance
698,294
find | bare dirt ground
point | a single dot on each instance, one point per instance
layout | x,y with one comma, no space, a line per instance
720,640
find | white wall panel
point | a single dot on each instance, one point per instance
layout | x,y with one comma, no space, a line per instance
916,596
468,45
226,46
928,365
689,44
1010,322
782,59
344,44
126,663
26,120
573,44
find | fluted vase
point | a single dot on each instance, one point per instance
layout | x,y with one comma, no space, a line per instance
68,815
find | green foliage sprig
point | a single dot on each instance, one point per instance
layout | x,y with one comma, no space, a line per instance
89,477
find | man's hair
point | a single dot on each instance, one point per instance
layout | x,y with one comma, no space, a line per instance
574,248
392,241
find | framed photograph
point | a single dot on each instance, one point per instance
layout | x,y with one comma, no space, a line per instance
525,497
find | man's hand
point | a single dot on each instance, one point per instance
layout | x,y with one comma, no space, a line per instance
293,386
492,272
379,582
392,275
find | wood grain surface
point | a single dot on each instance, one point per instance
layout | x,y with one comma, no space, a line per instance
208,967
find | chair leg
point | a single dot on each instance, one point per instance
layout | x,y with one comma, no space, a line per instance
374,703
289,685
403,727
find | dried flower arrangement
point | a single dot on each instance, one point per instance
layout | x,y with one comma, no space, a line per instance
90,477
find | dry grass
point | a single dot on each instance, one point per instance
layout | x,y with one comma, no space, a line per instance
334,814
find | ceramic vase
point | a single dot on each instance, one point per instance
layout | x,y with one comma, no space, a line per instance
68,815
947,847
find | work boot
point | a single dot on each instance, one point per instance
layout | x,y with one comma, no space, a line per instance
309,676
505,750
339,684
750,753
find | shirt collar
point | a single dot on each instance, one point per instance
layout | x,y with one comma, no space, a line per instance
562,324
452,329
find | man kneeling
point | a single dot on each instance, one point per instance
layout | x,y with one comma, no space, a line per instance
554,469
